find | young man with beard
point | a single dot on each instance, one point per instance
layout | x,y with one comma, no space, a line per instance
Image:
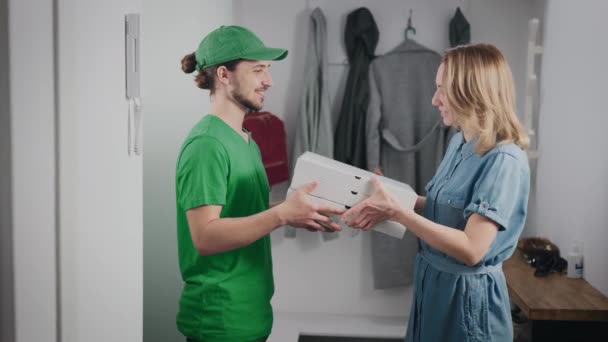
223,214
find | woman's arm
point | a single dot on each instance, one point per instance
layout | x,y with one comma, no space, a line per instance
420,202
468,246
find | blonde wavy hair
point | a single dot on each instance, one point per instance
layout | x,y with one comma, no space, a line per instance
480,91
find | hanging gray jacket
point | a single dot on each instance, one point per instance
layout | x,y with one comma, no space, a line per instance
361,38
314,131
406,139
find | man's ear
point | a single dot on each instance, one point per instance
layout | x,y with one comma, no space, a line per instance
222,75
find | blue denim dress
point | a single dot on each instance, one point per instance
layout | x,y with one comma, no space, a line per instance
453,301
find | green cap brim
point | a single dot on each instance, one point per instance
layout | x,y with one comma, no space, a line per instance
265,54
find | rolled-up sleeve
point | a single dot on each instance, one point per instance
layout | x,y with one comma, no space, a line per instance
498,191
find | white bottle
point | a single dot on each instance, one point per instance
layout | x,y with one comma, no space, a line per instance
575,262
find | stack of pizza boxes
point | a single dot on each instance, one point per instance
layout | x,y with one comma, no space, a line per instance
343,186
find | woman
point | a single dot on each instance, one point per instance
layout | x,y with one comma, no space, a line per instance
475,206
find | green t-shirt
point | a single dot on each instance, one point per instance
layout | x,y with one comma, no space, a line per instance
226,296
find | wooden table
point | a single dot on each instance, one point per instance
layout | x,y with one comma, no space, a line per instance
560,308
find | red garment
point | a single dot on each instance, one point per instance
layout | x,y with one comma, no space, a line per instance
268,131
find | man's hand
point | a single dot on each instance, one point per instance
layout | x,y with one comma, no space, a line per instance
300,211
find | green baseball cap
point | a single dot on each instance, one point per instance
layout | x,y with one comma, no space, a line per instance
228,43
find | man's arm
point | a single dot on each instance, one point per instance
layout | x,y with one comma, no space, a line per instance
212,234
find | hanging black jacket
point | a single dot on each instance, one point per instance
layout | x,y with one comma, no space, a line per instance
360,38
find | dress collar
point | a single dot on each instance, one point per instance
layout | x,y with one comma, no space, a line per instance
466,148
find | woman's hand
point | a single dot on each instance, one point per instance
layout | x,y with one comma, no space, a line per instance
380,206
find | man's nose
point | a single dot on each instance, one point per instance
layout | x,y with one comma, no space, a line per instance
267,80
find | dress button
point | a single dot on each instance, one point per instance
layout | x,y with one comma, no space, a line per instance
449,201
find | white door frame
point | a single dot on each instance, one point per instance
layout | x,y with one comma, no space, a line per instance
7,310
32,114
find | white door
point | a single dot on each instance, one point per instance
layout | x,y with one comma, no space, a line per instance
100,185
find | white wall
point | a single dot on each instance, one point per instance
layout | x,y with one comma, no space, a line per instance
572,185
33,168
390,16
100,186
336,277
504,24
172,105
321,289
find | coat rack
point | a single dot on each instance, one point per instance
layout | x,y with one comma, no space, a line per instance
531,84
410,27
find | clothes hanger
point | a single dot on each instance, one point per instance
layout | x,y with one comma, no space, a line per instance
410,27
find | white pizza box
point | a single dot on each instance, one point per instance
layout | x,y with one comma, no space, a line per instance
342,185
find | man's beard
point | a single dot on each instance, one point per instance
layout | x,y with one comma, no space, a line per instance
245,102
